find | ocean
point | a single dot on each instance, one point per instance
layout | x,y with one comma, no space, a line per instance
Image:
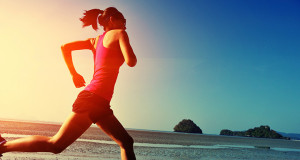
153,145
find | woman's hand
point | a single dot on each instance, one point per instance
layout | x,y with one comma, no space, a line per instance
78,80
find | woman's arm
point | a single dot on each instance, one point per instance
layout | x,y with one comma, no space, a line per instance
67,50
126,49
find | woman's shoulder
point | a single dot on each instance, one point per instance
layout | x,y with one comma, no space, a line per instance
94,41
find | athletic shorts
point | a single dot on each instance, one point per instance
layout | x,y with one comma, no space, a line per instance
96,106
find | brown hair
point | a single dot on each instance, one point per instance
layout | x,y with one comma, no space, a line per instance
91,17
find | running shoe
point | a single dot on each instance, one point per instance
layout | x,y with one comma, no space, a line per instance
2,140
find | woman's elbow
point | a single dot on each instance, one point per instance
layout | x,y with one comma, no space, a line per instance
65,49
131,63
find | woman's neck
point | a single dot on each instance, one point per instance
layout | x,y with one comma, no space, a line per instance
108,28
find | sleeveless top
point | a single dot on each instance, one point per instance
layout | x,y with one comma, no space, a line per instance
107,62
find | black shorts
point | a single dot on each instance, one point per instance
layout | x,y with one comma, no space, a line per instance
96,106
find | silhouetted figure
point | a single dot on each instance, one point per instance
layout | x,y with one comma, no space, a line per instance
92,105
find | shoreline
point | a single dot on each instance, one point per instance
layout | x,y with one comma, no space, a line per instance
142,136
131,129
5,135
149,145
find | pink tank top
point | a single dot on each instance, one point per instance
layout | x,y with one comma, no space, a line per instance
107,63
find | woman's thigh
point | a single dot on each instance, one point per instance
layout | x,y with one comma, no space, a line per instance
113,128
73,127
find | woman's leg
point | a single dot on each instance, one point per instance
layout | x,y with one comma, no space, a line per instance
74,126
112,127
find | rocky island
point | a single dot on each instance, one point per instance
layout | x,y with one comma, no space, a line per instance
258,132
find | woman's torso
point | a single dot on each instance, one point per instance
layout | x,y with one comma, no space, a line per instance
108,59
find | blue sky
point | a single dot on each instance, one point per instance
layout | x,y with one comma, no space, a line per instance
224,64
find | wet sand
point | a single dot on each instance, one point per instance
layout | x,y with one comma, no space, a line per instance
152,145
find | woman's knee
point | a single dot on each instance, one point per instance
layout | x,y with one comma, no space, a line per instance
127,142
55,147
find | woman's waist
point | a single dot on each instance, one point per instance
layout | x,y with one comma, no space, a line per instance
106,72
105,76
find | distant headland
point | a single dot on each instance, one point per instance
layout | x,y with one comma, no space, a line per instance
264,131
258,132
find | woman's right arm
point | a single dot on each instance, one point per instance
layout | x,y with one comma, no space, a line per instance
126,49
67,50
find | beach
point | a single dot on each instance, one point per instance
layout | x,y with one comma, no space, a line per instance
153,145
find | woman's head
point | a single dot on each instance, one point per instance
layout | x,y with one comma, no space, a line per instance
108,18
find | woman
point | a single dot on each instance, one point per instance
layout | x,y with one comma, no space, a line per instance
110,51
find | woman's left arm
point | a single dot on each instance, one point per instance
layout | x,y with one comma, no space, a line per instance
67,54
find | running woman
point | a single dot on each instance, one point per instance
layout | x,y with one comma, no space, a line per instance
92,105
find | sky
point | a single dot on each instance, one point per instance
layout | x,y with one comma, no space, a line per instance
223,64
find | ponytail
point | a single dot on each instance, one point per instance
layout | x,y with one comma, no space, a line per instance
91,18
